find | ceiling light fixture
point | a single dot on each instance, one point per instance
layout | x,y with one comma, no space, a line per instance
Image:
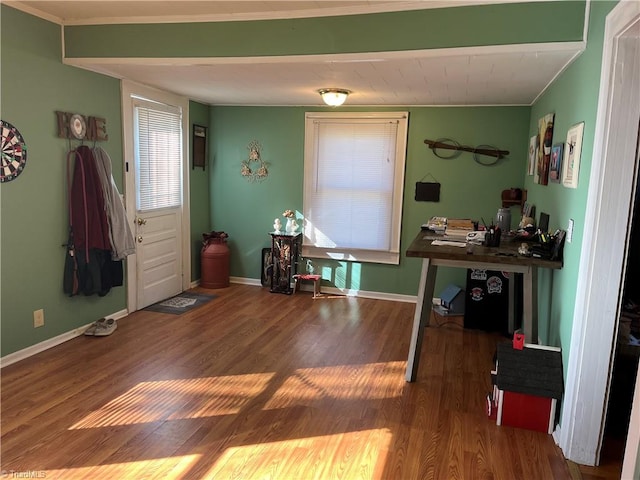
334,97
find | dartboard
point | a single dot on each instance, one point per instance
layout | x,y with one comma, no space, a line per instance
14,152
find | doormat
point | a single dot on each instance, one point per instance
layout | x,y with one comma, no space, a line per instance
181,303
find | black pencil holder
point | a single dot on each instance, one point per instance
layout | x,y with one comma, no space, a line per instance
492,238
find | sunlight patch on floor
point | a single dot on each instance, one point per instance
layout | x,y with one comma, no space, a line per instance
373,381
178,399
171,468
354,454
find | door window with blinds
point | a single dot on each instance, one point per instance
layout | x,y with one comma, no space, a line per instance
158,154
353,185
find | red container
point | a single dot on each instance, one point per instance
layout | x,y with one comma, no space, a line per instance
215,264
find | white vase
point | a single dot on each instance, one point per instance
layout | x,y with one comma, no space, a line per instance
289,226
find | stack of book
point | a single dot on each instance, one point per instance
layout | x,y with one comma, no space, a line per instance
457,229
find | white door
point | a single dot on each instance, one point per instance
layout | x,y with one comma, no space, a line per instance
155,140
158,173
158,259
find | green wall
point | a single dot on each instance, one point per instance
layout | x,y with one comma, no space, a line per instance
415,29
246,210
573,98
33,207
199,189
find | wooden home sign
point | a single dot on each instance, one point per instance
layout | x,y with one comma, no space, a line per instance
74,125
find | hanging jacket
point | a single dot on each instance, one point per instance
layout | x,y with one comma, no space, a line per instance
90,227
97,272
121,238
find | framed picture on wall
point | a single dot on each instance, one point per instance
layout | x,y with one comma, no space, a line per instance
555,166
199,146
572,152
545,139
533,150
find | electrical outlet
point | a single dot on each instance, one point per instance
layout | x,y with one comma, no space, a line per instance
570,230
38,318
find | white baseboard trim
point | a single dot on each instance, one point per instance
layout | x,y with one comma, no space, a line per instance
238,280
557,435
396,297
52,342
246,281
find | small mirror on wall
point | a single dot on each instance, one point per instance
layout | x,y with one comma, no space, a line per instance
199,146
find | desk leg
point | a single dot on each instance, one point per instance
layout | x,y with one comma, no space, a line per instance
530,307
421,317
511,325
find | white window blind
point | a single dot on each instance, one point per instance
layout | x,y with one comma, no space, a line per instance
354,177
158,154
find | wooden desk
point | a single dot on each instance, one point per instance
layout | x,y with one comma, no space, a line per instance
504,258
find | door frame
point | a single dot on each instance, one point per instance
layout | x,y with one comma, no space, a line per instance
129,88
609,200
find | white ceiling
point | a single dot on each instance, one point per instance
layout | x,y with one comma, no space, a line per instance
506,75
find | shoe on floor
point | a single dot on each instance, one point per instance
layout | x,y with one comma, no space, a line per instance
92,328
106,328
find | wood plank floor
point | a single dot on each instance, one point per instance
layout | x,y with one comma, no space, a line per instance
257,385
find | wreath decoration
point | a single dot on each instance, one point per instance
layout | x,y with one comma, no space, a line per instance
254,169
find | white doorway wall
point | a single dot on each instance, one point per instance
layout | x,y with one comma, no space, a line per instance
611,191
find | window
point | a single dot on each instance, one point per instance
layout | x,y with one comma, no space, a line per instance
158,153
353,184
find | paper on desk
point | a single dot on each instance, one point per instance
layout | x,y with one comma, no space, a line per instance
449,243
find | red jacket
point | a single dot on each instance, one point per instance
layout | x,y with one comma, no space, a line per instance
88,214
